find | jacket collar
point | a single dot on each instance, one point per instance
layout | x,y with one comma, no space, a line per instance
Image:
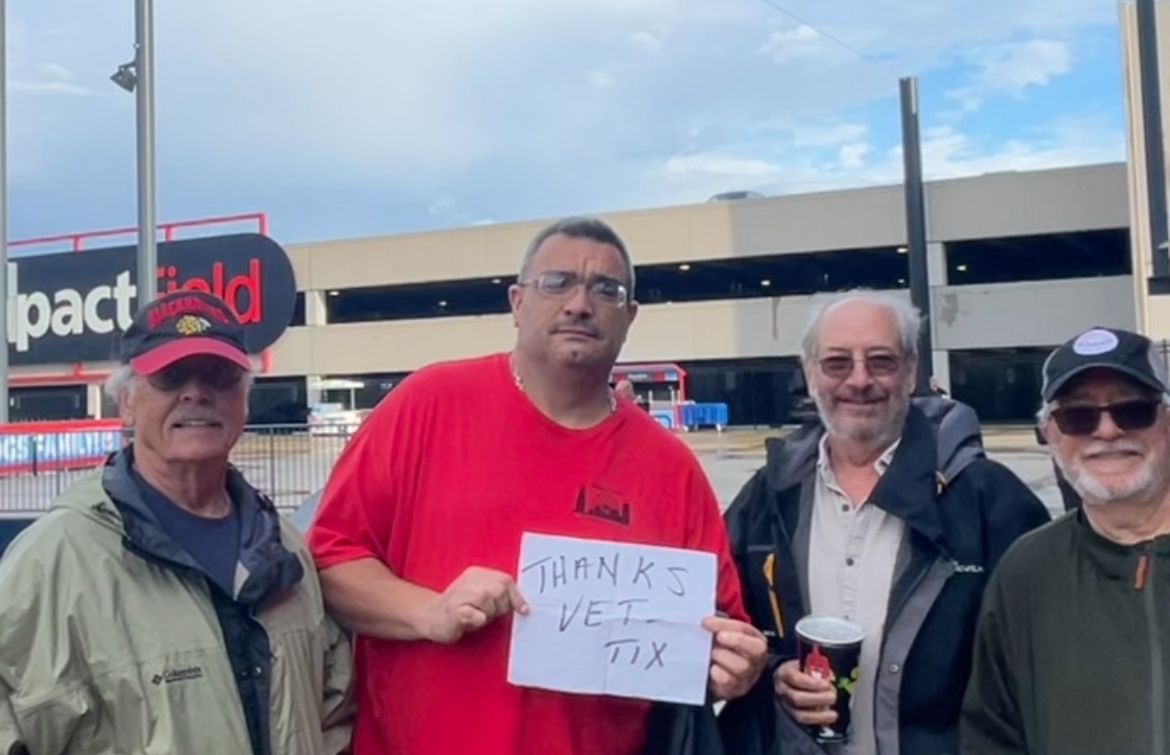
908,489
1114,560
268,567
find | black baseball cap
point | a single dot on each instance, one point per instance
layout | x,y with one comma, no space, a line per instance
180,325
1130,354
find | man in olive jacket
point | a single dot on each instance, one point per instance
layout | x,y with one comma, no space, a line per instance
1073,649
161,604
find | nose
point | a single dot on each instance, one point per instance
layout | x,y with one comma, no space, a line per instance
195,392
579,304
1106,428
859,376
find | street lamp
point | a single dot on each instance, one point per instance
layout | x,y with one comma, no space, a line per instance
126,77
137,76
3,220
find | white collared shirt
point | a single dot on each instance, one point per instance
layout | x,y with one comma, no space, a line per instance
852,554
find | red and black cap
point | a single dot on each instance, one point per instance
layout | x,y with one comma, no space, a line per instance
180,325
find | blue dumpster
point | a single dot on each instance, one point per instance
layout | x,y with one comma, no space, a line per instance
698,415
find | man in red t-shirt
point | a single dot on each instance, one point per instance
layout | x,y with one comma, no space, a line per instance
418,533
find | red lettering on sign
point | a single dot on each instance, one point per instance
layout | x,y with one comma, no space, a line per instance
241,293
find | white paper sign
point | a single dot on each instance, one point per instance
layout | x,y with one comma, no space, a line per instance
613,618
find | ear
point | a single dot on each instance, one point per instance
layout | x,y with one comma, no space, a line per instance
515,299
912,380
126,406
632,310
806,368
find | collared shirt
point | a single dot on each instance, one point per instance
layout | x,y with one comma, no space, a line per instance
852,554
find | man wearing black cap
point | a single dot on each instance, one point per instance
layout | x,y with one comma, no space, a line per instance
161,604
1073,647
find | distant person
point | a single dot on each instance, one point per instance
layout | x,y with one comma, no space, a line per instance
876,516
936,387
162,605
1073,649
418,532
625,389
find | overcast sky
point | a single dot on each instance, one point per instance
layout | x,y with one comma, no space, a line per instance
362,117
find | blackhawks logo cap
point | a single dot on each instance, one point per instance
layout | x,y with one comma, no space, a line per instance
180,325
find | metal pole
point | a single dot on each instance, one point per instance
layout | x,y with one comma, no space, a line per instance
916,228
144,93
1152,134
3,217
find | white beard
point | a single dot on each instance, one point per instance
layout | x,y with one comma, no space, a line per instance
1094,492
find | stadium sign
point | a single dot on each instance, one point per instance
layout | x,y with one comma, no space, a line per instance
71,307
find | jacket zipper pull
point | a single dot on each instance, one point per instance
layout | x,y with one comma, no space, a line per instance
1142,571
770,578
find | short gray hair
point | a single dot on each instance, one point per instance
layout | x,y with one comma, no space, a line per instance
906,315
122,380
580,228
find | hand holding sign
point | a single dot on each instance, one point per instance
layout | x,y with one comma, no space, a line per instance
471,602
614,618
738,657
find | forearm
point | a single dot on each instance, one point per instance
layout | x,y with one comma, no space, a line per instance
369,599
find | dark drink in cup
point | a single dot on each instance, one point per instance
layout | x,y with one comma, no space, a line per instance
830,648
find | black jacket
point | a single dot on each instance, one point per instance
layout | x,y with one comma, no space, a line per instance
956,531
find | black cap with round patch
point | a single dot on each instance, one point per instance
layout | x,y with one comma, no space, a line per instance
1130,354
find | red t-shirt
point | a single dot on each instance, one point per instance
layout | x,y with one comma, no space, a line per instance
448,472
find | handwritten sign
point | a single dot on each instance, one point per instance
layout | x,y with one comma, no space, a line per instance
613,618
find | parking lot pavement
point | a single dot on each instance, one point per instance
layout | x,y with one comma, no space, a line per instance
730,458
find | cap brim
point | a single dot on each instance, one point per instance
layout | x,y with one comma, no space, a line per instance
1146,380
167,354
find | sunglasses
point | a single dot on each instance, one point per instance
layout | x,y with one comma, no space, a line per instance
841,366
1127,415
214,374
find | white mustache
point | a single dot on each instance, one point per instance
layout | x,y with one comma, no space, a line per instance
1120,446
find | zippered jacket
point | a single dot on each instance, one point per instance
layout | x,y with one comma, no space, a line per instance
958,525
113,639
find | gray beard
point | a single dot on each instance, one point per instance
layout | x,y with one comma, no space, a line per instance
875,438
1093,492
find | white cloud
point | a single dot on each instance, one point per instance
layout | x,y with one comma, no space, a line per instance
1011,69
683,167
948,152
368,112
853,155
646,41
46,87
797,43
829,135
601,79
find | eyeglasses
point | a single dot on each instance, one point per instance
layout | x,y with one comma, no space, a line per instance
557,284
212,373
840,366
1127,415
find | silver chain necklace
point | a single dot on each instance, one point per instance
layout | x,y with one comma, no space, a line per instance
520,386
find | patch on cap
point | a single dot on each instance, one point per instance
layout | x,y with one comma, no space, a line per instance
190,325
1093,342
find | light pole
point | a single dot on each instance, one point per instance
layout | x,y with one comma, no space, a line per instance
138,76
3,218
